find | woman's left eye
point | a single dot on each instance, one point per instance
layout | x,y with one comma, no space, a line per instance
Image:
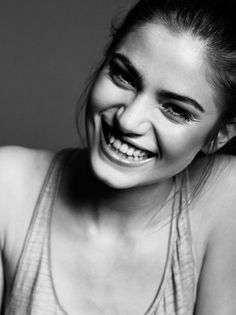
176,112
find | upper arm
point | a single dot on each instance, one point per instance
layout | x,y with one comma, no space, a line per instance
22,171
16,167
21,175
217,283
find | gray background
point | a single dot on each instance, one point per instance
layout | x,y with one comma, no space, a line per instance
47,50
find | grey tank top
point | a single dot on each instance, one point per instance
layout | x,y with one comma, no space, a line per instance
33,291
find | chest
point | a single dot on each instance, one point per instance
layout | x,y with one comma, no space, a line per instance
97,277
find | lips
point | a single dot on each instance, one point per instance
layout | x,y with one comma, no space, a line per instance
122,146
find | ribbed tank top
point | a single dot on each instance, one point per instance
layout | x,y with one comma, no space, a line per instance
33,291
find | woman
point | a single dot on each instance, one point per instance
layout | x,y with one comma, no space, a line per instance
142,221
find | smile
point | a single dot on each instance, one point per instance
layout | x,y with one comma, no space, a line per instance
122,149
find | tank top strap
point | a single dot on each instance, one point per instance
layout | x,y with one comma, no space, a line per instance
178,289
185,229
34,256
184,220
174,197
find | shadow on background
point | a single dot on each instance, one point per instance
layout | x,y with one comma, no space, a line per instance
47,51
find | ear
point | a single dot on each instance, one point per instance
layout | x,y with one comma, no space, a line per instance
224,135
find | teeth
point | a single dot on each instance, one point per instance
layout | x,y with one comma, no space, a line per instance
137,153
124,148
130,151
127,152
111,140
117,144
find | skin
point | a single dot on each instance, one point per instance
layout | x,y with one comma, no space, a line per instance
166,62
103,231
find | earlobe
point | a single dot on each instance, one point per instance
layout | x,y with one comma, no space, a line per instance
224,135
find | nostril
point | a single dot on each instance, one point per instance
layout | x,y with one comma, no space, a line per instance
126,122
122,125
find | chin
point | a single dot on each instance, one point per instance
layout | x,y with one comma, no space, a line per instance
109,176
117,177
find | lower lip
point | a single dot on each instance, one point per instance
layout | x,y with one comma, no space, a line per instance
115,157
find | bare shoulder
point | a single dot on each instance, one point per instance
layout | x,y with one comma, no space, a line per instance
213,208
22,171
21,161
20,165
215,229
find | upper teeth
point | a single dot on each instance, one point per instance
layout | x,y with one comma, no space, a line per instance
125,148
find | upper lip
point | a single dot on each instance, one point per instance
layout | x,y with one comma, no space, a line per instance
125,139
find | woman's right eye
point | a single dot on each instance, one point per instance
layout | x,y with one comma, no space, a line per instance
120,76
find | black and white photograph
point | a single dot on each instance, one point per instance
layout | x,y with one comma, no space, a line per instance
118,157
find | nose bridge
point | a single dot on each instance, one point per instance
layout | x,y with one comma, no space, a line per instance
133,116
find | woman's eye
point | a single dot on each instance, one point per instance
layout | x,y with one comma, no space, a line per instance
177,113
120,77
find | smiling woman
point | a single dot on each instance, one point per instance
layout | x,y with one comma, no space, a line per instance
118,227
151,93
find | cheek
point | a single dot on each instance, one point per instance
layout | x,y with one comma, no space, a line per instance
105,94
101,96
183,145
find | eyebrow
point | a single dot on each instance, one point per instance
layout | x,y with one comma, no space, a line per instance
181,98
163,93
133,71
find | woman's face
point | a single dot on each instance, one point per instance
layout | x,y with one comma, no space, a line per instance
151,108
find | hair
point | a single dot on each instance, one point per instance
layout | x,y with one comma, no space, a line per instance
212,21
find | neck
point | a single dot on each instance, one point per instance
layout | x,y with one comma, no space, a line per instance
136,207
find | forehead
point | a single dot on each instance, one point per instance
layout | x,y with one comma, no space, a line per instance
170,60
153,35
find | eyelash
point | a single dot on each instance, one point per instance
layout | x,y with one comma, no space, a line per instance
177,113
124,80
120,77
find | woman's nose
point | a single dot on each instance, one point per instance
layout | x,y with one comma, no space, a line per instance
133,118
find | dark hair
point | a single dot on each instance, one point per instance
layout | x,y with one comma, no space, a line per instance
213,21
